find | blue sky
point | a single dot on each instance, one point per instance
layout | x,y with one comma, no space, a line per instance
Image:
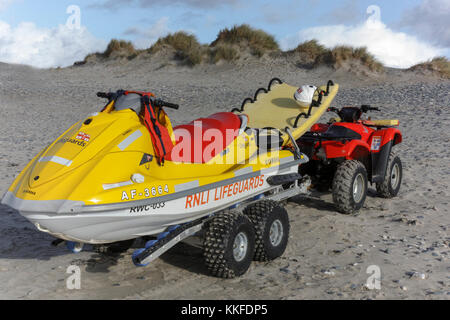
290,21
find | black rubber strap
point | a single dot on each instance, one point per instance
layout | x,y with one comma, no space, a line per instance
330,83
147,104
258,91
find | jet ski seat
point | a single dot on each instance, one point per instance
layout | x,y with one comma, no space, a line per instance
219,129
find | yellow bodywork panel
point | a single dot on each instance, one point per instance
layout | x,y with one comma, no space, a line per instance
94,161
278,109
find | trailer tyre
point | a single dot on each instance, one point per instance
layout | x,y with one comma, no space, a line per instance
229,245
350,186
390,186
271,223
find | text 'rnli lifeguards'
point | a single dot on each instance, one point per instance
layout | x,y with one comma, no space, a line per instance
223,192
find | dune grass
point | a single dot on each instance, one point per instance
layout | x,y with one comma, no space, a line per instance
233,43
120,48
258,41
340,54
316,54
310,50
223,52
115,49
186,46
437,65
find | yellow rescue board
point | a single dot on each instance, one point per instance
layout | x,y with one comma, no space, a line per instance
278,109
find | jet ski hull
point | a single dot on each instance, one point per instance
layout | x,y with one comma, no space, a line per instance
97,224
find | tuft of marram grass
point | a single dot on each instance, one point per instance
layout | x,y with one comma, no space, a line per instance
119,48
223,52
186,46
316,54
311,50
115,49
438,65
337,56
258,41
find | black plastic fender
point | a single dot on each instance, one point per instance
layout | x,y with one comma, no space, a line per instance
379,162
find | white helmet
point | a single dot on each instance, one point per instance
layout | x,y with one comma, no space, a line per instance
304,95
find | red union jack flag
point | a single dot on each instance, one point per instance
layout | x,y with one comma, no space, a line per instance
83,136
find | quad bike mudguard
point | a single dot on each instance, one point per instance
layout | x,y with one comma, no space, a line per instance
382,142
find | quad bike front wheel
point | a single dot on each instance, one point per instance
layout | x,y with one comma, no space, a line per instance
229,245
390,186
350,186
271,224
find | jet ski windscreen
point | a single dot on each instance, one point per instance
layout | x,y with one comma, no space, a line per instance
129,101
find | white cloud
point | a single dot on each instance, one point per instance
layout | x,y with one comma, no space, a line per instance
144,38
431,20
393,49
44,48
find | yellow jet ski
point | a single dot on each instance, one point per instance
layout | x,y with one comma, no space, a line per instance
125,173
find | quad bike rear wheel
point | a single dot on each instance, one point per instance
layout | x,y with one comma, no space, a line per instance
229,245
350,186
390,186
271,224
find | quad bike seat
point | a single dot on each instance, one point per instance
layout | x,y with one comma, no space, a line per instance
334,132
204,131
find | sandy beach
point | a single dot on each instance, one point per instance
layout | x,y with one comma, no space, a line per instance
328,253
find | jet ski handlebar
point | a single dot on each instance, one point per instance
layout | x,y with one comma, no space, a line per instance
161,103
105,95
156,102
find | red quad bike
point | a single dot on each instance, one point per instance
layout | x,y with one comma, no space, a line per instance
347,153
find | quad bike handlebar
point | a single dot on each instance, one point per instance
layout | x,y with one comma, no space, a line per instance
333,109
352,114
366,108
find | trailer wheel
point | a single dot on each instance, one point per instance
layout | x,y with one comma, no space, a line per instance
392,179
271,224
350,186
229,245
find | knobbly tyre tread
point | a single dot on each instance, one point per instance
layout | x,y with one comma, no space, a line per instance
259,213
216,241
384,188
342,186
